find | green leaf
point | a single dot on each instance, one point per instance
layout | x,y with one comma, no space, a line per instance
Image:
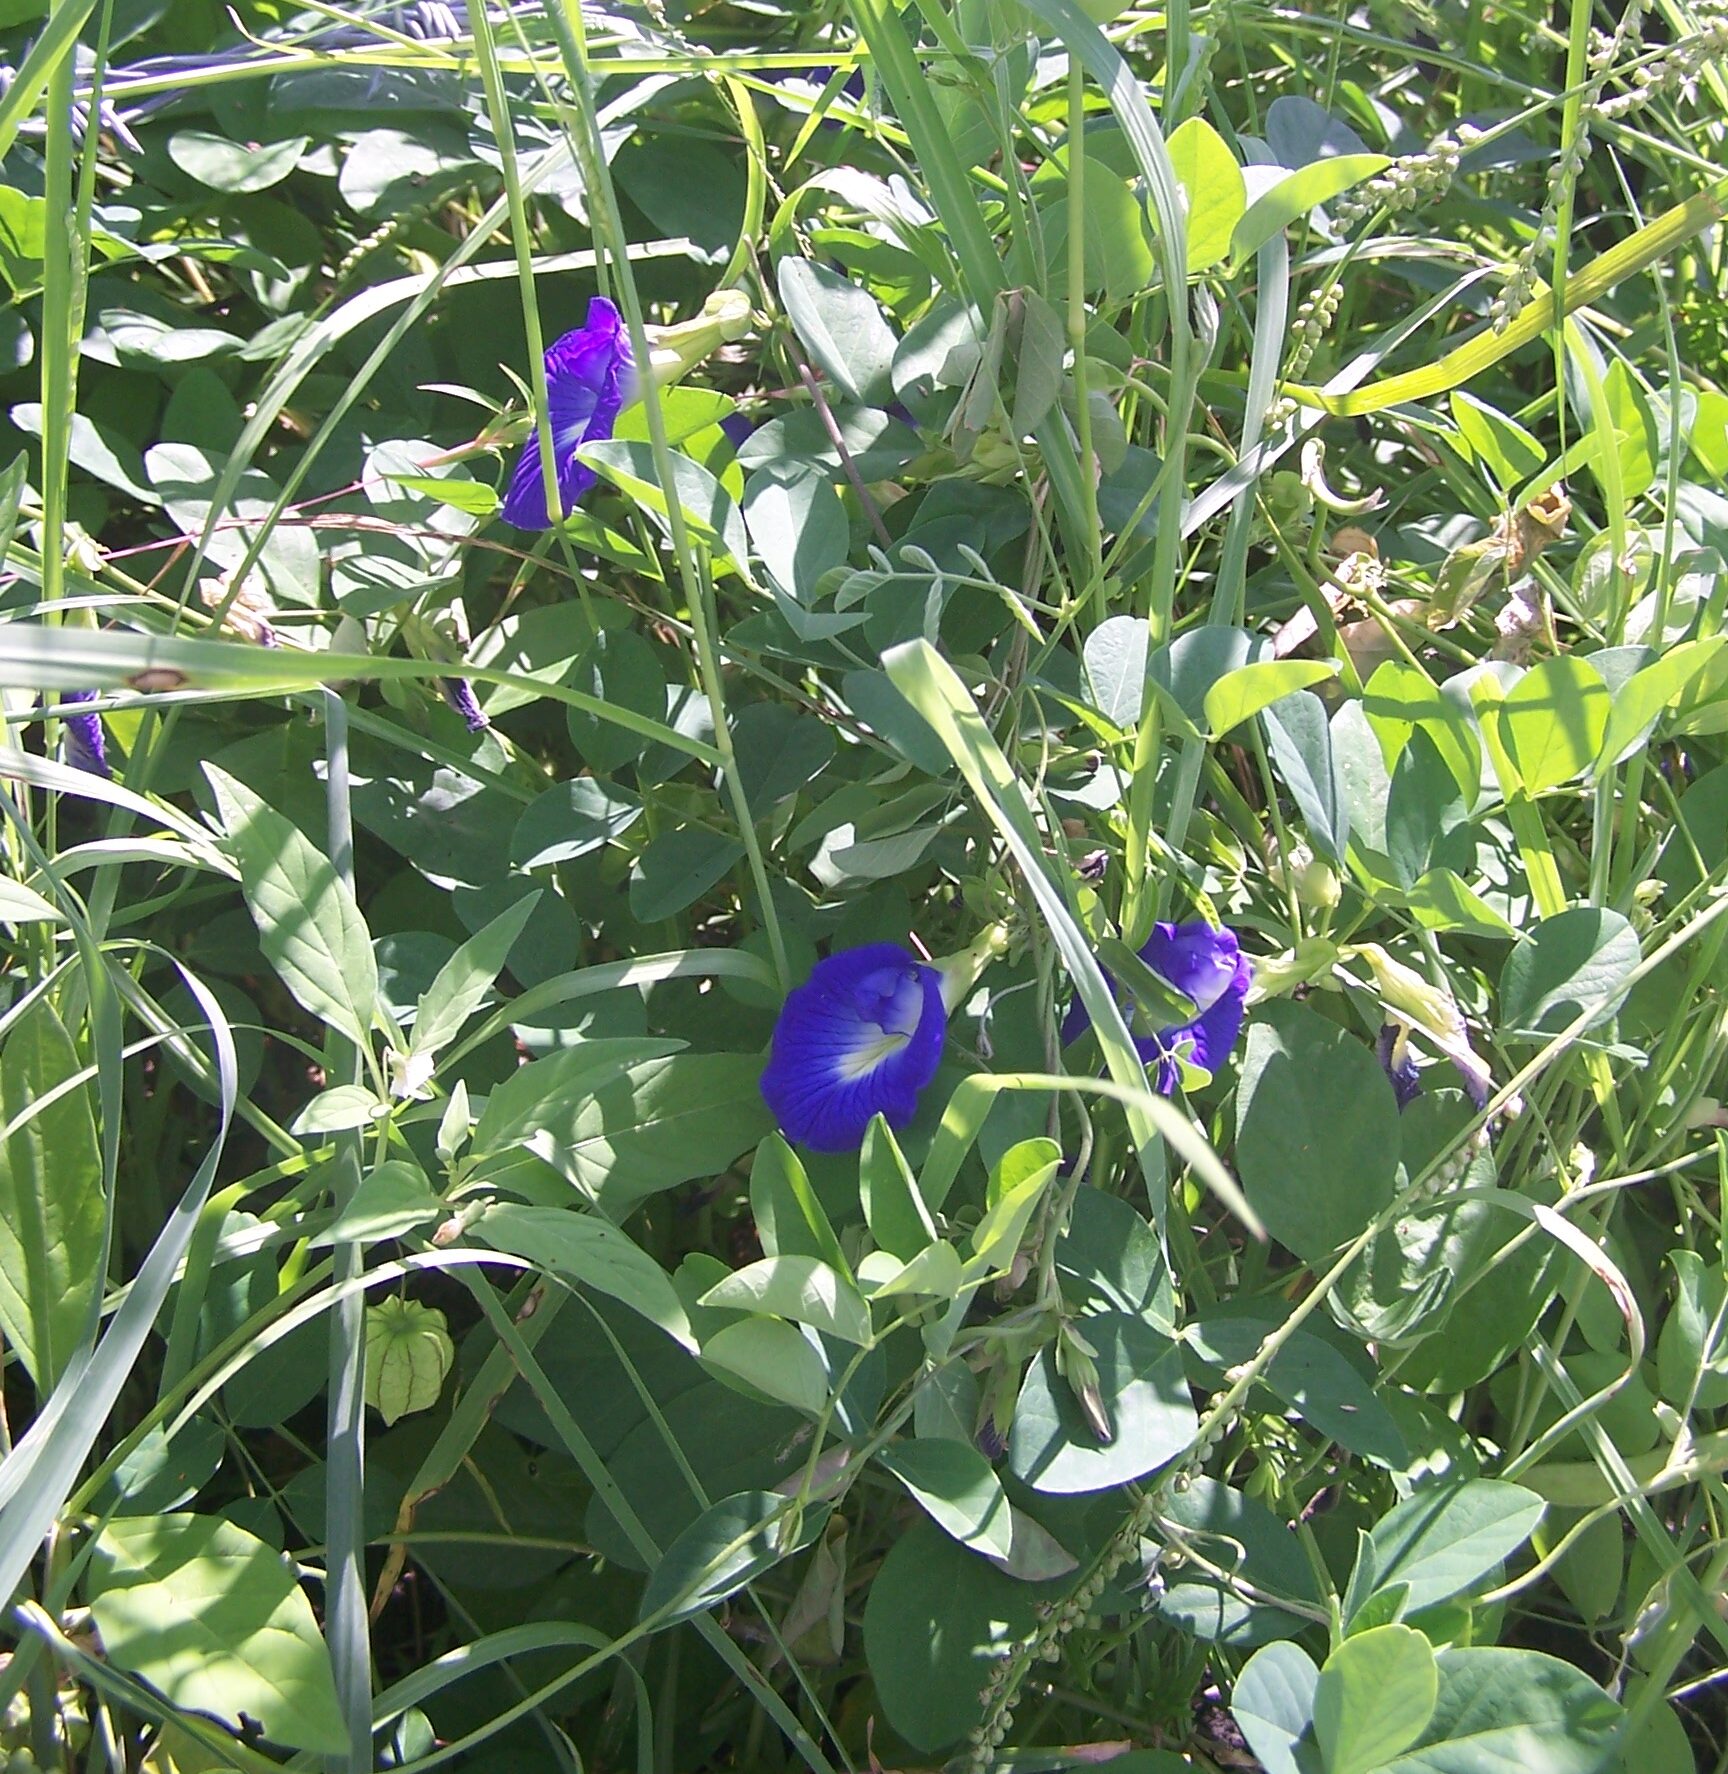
1447,1537
571,820
1242,1536
101,450
1004,1224
936,1620
957,1489
408,1355
1244,692
1301,744
800,1288
1634,426
617,667
1509,451
1317,1130
1040,347
584,1248
547,1097
893,1208
677,868
1190,665
24,905
1274,1705
1374,1698
841,327
1639,702
936,1270
473,497
1399,699
1441,901
1108,1256
227,166
774,1357
392,1199
684,411
1692,1351
1552,721
1293,196
797,525
1115,656
1119,261
1145,1393
337,1109
309,925
1216,191
707,507
51,1206
1503,1709
1311,1376
790,1220
213,1619
1574,960
462,983
722,1550
664,1122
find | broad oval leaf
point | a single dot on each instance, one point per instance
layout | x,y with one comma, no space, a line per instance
723,1549
1317,1130
309,925
800,1288
212,1618
584,1248
774,1357
957,1489
1145,1395
1291,197
1374,1698
1446,1537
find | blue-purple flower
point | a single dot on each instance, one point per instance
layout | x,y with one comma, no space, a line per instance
86,749
861,1037
1206,966
1399,1063
589,378
459,696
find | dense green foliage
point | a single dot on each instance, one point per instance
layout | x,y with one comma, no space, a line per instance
1229,465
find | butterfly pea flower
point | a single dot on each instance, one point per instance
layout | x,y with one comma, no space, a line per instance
1399,1063
591,376
1415,1003
1205,965
861,1037
459,697
86,748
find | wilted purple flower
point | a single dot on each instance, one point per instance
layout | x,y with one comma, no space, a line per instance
739,430
459,694
1400,1065
861,1037
1203,964
86,749
589,377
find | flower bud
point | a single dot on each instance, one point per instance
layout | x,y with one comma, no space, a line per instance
673,351
1312,879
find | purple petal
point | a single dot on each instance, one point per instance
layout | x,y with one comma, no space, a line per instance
1197,960
1215,1029
588,377
1206,965
1394,1050
459,694
86,748
861,1037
